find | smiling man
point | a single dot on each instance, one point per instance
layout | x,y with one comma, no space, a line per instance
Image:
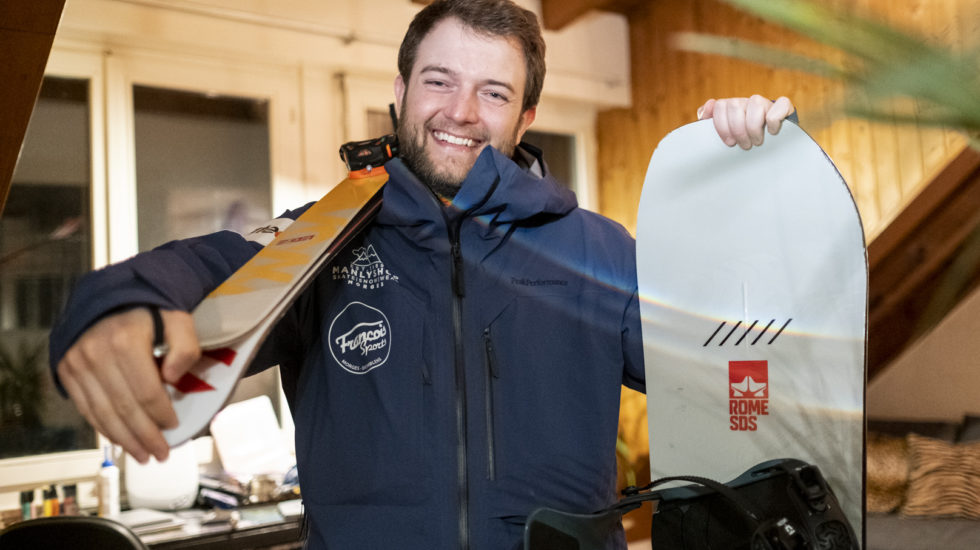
461,362
461,90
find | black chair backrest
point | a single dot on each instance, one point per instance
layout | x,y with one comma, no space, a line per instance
75,532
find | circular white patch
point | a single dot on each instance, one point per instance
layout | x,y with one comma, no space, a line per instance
360,338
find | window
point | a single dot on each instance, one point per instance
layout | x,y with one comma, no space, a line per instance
174,134
202,163
559,154
45,245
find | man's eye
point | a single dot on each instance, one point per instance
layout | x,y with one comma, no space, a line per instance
497,96
436,83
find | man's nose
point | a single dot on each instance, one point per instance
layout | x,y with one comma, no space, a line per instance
463,108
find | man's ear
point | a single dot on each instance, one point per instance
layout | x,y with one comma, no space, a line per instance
527,117
399,94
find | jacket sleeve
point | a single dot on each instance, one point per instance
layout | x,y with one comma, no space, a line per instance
176,275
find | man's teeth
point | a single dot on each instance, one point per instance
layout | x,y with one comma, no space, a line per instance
453,139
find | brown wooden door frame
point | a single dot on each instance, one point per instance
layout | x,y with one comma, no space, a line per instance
26,33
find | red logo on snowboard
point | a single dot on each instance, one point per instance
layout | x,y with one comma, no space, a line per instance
748,394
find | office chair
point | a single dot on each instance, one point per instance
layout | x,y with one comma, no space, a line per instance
74,532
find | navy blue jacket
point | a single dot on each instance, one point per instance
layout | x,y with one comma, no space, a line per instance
455,368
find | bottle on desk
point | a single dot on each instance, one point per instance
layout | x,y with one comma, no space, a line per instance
27,504
69,504
107,486
51,505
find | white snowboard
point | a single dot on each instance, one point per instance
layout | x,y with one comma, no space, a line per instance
753,281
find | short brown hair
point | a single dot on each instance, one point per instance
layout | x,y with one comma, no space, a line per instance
495,18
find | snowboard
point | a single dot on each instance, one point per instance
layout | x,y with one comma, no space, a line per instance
233,320
752,273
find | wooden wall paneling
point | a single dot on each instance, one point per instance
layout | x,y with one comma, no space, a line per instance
885,165
862,168
909,154
888,181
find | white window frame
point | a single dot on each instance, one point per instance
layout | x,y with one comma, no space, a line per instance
124,69
361,95
577,120
30,472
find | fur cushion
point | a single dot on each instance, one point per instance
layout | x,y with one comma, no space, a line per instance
944,479
887,471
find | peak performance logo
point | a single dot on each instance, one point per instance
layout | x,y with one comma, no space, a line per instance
748,394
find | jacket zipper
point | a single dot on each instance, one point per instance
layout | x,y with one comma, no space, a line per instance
491,371
460,371
459,292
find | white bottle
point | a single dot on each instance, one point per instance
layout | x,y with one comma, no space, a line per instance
107,485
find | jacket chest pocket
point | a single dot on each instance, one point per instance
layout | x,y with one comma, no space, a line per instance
553,372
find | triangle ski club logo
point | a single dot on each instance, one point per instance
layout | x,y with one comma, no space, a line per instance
365,271
748,394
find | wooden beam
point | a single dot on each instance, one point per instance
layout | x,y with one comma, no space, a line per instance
925,261
26,33
556,14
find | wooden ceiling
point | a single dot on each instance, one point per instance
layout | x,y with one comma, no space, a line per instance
556,14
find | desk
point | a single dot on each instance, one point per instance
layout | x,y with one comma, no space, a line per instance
280,533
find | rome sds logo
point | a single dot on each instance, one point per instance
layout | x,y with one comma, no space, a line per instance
360,338
748,394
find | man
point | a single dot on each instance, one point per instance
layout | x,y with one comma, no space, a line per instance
500,334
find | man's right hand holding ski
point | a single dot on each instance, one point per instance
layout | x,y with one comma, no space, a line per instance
111,375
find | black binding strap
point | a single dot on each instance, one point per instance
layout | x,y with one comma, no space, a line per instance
764,532
722,489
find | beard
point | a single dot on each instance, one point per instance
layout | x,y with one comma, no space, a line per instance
445,178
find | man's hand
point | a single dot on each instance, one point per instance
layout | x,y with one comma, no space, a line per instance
742,121
111,375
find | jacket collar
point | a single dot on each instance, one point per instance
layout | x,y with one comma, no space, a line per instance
496,188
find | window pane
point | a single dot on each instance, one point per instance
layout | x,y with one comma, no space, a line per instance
45,244
202,163
559,154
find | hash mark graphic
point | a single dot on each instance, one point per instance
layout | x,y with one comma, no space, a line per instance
763,332
730,333
713,334
746,333
780,331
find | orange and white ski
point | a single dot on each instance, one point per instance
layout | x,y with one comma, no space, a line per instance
234,319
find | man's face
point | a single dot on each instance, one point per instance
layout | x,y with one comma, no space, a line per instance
465,92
